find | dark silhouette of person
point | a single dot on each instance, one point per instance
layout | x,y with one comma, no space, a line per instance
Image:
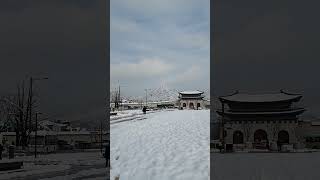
107,155
1,149
144,110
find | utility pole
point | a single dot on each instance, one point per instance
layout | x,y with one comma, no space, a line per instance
30,102
35,136
120,102
116,105
146,97
31,95
101,135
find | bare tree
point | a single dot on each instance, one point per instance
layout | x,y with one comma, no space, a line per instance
115,98
16,112
6,113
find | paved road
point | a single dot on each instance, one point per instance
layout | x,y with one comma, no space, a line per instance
265,166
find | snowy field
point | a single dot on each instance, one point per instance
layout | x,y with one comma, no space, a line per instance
265,166
161,145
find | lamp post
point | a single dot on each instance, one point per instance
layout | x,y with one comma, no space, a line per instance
120,100
35,135
146,97
32,79
101,135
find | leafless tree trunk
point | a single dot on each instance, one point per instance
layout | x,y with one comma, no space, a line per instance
18,108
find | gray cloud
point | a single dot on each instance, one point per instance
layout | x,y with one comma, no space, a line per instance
159,43
267,46
59,39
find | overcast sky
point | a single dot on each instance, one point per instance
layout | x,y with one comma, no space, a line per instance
160,43
64,41
265,46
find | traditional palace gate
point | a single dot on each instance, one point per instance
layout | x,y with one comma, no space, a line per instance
260,119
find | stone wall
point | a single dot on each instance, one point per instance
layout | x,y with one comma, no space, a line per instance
195,102
272,130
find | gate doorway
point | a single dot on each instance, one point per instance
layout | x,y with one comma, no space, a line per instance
283,137
191,106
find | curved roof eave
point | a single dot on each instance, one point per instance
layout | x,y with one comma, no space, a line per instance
261,98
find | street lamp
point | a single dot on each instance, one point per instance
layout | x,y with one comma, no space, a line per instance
147,96
35,136
120,101
32,79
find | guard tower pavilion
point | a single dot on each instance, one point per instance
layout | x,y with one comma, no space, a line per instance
191,100
257,120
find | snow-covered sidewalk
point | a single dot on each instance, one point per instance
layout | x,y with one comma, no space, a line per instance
166,145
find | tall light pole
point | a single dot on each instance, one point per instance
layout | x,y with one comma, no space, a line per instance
120,100
146,97
32,79
101,135
35,136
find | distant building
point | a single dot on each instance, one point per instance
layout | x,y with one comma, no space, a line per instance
259,120
8,138
191,100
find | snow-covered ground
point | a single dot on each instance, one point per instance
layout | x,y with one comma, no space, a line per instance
125,114
164,145
51,163
265,166
32,169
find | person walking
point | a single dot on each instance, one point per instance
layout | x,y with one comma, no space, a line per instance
144,110
107,155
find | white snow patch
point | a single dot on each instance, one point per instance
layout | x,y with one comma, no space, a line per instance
167,145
